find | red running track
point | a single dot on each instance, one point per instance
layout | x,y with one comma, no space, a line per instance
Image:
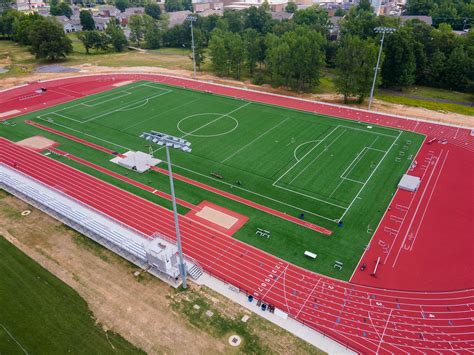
123,178
366,319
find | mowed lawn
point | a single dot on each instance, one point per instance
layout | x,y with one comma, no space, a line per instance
325,168
40,314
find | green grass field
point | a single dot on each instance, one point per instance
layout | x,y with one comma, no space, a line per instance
293,161
40,314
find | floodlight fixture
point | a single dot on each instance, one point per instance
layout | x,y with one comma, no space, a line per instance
191,20
383,31
168,142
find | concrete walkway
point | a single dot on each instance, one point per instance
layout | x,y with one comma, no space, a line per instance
294,327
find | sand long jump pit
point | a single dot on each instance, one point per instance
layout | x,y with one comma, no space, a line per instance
37,143
218,217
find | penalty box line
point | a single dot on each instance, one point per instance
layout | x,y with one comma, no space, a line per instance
370,176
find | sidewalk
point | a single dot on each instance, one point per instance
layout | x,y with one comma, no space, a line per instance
294,327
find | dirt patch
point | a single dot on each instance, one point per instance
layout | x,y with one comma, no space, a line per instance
378,106
217,217
144,310
37,143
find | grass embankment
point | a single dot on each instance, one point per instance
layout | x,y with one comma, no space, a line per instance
430,105
41,314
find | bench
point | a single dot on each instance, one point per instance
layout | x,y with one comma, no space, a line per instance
338,265
310,255
216,175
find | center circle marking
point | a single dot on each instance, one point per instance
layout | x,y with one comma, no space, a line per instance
236,124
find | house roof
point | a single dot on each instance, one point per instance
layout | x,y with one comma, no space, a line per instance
426,19
177,17
281,15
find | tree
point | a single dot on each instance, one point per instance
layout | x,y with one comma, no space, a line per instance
87,39
5,5
153,10
116,35
138,25
22,27
48,40
153,36
173,5
339,12
187,5
459,71
314,17
235,53
122,5
218,52
400,62
258,19
87,21
291,7
359,22
355,62
419,7
252,47
61,9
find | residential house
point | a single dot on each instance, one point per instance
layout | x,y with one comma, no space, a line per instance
177,18
281,15
101,22
108,11
69,25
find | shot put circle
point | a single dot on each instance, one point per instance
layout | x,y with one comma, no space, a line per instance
183,121
25,212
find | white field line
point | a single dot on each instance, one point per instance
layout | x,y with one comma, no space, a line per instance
429,199
416,210
298,147
370,176
297,162
128,105
378,150
275,282
256,193
317,157
210,122
14,339
217,119
311,197
58,114
86,134
115,96
161,113
354,181
256,139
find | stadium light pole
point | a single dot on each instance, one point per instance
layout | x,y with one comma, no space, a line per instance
183,145
383,31
192,19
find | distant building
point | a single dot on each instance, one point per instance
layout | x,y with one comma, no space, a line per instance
101,23
177,18
275,5
200,6
69,25
426,19
30,6
281,15
108,11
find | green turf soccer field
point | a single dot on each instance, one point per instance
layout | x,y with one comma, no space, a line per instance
330,169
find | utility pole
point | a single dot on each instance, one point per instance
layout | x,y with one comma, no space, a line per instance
383,31
191,19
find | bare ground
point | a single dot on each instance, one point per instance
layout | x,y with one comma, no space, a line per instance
378,106
142,309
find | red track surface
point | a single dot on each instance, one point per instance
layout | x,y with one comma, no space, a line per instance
123,178
367,319
433,236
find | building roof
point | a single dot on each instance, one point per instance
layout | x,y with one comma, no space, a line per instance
177,18
426,19
281,15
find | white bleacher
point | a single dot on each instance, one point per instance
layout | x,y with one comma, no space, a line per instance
103,229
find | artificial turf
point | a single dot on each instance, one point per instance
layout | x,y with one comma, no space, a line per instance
293,161
40,314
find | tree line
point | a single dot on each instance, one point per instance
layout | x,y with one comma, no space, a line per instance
295,53
459,14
